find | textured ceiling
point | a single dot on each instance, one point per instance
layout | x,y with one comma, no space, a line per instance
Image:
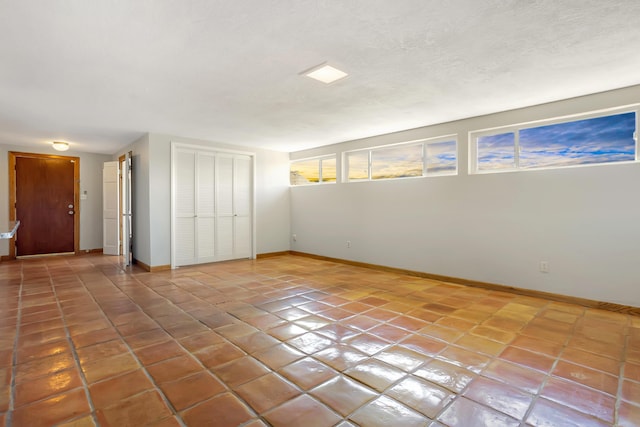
100,73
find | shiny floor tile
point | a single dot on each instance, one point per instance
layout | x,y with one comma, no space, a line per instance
385,411
289,340
375,374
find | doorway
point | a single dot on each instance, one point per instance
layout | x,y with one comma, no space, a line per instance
117,193
126,211
44,192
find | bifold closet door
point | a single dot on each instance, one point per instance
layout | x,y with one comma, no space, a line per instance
205,221
212,206
242,200
233,193
184,166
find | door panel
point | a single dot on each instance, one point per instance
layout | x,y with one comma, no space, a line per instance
242,229
242,200
224,238
45,205
242,186
224,185
185,243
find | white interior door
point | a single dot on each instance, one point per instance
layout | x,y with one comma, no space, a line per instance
126,209
110,214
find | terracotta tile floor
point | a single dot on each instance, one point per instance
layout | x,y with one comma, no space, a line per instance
292,341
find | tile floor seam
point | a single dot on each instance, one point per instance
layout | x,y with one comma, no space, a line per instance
548,375
177,341
74,353
621,379
14,367
134,355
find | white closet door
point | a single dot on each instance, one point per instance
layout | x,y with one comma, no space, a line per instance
225,211
242,197
212,206
205,207
184,207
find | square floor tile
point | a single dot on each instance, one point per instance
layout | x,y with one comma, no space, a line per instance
310,342
375,374
224,410
193,389
266,392
499,396
463,412
403,358
307,373
42,387
385,411
174,369
423,396
278,356
447,375
302,411
343,395
240,371
105,393
340,356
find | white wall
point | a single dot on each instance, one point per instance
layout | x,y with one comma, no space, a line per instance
90,181
272,197
494,228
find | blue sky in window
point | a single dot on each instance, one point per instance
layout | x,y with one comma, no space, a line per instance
598,140
496,151
396,162
441,156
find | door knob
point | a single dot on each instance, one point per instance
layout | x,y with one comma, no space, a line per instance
70,212
70,206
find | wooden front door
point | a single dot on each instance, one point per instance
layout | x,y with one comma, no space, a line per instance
45,191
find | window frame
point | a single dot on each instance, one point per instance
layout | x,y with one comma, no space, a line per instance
516,128
319,160
424,142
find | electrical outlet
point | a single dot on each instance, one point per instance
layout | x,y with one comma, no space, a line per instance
295,237
348,243
544,267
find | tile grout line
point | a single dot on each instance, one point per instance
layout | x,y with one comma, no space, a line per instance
623,364
230,390
131,351
72,346
177,341
14,367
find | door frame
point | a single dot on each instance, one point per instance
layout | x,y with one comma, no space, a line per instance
121,159
13,155
175,145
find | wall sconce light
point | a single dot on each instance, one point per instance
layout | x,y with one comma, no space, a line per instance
60,146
